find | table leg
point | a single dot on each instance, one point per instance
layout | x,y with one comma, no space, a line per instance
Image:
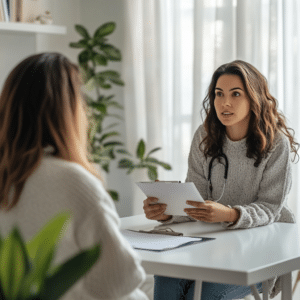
255,292
198,288
265,286
286,293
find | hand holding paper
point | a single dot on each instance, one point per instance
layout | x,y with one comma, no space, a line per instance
155,211
212,212
174,195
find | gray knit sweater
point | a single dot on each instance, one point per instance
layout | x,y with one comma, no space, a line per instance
259,193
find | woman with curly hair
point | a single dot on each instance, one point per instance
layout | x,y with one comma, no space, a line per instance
246,137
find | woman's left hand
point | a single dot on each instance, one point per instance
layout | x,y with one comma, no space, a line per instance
211,212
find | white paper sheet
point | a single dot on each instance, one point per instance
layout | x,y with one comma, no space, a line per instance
156,242
174,195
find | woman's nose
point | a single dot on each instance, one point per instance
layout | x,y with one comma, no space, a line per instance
226,101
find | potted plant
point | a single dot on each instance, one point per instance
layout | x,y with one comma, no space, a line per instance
27,272
96,52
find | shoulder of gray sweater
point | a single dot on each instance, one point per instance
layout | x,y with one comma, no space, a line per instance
199,135
281,143
281,138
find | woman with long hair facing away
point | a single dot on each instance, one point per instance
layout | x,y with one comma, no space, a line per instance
44,170
244,138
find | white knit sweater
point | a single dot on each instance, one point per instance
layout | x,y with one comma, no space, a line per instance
58,185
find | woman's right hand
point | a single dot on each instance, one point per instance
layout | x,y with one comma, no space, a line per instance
155,211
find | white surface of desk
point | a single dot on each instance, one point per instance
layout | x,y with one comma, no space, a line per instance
243,257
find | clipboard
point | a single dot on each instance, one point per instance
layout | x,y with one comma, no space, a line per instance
174,194
160,240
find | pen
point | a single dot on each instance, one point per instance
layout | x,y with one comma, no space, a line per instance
175,181
167,231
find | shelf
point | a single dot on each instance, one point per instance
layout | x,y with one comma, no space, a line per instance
32,28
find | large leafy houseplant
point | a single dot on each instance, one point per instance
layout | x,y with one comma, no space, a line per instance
97,53
27,271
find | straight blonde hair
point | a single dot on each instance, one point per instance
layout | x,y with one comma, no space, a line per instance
41,105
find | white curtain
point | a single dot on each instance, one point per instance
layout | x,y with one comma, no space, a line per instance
172,49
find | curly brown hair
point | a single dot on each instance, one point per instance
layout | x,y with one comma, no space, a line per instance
265,120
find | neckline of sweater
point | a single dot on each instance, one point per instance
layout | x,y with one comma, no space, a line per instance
241,144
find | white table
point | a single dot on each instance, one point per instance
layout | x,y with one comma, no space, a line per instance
242,257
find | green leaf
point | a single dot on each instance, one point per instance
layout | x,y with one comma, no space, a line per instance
109,74
165,165
111,154
157,162
109,134
151,160
68,273
90,85
112,144
113,103
2,296
112,52
105,29
140,151
105,86
125,163
83,57
124,151
101,98
42,262
86,72
143,165
99,106
114,195
82,31
81,44
91,43
13,258
117,81
100,60
1,241
50,234
41,265
99,41
153,150
130,170
105,167
110,97
152,173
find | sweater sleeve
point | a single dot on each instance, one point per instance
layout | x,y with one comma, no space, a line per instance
273,190
118,272
196,165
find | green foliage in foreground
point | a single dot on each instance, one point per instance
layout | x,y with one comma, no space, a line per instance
26,271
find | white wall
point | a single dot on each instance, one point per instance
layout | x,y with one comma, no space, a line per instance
93,14
67,13
15,46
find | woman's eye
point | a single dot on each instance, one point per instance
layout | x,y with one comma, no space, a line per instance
218,94
236,94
